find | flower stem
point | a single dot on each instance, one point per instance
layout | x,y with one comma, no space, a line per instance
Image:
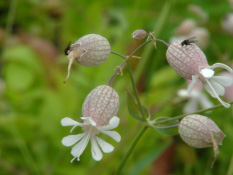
197,112
135,90
141,132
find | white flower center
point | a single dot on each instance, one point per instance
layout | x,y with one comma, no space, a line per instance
91,130
207,73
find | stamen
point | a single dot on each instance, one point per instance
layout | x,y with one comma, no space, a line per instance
69,66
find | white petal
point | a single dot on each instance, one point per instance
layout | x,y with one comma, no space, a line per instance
78,149
72,139
105,146
90,120
224,80
191,106
204,101
69,122
219,89
113,123
95,150
207,73
112,134
208,86
224,66
191,85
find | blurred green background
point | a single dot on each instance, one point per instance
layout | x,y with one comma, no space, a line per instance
34,99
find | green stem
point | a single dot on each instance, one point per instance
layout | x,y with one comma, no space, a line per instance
10,21
135,90
141,132
197,112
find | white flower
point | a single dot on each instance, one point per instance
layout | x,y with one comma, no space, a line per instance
90,133
188,60
98,110
195,98
213,84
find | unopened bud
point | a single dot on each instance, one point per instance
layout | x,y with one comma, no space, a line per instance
139,34
89,50
198,131
227,23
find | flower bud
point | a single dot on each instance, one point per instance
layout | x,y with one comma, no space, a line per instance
101,104
186,58
227,23
199,131
139,34
89,50
185,27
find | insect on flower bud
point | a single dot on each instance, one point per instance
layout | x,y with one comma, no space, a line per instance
139,34
199,131
101,104
89,50
186,58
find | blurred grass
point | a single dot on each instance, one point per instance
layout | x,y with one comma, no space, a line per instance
34,100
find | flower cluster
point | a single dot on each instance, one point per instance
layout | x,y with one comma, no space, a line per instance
101,104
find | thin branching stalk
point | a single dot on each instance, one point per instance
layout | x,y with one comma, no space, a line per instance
135,91
197,112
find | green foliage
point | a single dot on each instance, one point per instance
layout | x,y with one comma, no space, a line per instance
34,99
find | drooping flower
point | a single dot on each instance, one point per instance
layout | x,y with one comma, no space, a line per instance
195,99
187,59
99,110
89,50
199,131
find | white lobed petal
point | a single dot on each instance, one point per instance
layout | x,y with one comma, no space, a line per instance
204,101
72,139
95,150
69,122
212,91
191,85
78,149
207,73
219,89
112,134
221,65
105,146
224,80
113,123
191,106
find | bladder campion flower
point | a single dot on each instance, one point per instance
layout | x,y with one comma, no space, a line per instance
99,110
195,99
190,62
199,131
89,50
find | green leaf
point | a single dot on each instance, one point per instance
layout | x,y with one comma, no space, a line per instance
134,110
150,157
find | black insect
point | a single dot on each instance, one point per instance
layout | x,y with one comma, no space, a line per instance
189,41
67,49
